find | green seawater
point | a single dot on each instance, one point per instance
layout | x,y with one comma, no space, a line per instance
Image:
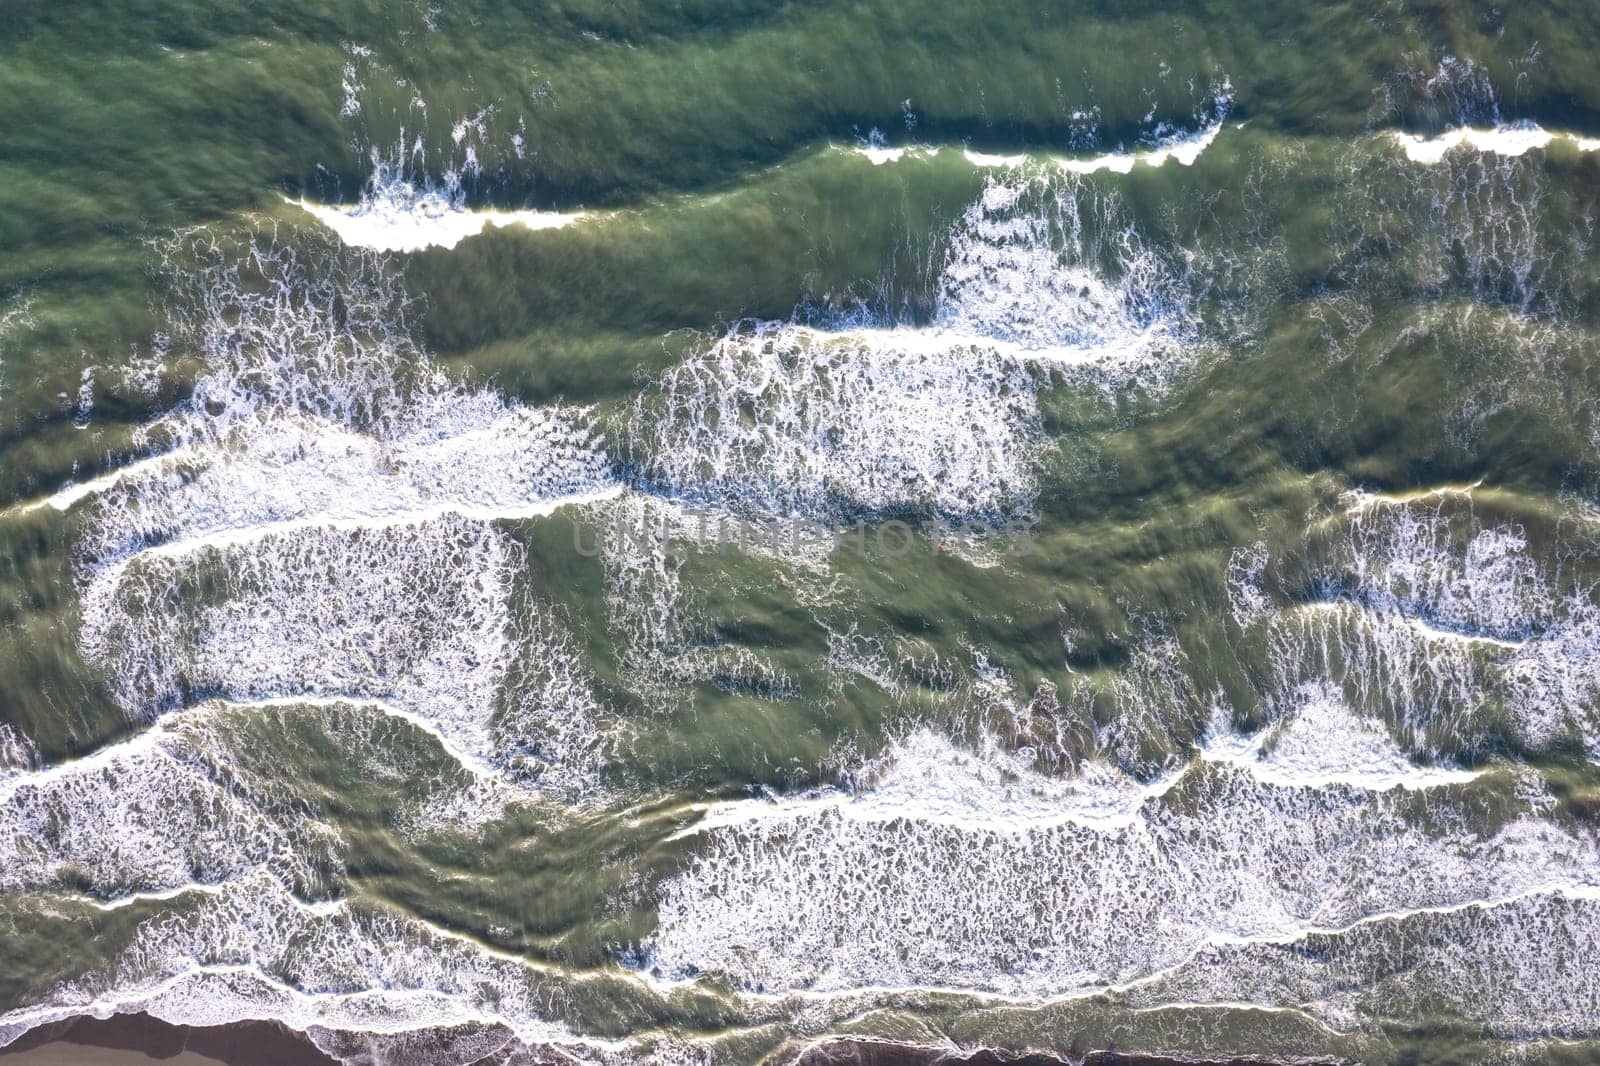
679,532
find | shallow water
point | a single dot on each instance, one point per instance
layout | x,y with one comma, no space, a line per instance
675,534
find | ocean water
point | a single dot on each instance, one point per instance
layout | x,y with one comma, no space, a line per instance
641,533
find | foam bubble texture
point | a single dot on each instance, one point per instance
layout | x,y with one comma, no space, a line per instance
1521,968
323,524
1046,267
253,950
780,419
150,818
1444,627
1041,277
875,893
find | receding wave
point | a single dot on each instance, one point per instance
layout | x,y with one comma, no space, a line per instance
949,870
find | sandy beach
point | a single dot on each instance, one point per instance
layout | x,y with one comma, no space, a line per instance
136,1039
129,1039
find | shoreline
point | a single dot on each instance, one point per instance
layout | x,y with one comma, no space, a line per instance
845,1051
140,1039
136,1039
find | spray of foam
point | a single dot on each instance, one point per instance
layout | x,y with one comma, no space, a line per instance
1181,146
1514,139
1516,968
962,870
394,214
1167,141
321,523
1041,277
1441,625
411,201
1160,142
18,752
843,422
1456,100
167,810
336,969
978,701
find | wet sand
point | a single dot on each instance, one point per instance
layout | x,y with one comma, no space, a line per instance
138,1039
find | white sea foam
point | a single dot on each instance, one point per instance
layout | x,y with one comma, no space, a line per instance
392,221
1002,889
1321,742
151,815
1434,621
339,497
148,821
852,421
1156,712
1513,139
1553,683
421,616
254,951
1517,966
926,778
1402,560
297,472
201,821
785,419
1473,228
1248,602
1046,270
413,616
202,798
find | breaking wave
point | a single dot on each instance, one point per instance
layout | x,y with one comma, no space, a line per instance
324,520
950,870
1041,279
1447,629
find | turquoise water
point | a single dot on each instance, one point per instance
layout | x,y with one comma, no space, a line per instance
676,533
